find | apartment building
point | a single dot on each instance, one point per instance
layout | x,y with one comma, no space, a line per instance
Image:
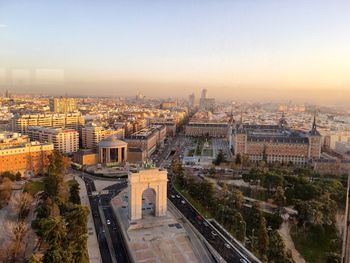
148,138
92,134
28,158
64,140
20,123
63,105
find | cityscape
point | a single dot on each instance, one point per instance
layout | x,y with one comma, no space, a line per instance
156,132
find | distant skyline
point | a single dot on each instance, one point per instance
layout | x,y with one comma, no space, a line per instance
246,49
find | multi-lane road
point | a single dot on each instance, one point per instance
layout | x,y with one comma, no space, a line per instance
109,236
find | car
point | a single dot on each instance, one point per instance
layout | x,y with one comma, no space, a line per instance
108,222
214,233
172,196
183,202
177,196
227,245
205,223
242,260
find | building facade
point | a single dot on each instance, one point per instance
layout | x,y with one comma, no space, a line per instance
276,143
63,105
20,123
64,140
212,129
92,134
29,158
147,139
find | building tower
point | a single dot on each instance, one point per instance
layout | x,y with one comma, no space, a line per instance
204,94
314,141
282,123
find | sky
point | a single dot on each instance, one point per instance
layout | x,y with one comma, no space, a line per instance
174,48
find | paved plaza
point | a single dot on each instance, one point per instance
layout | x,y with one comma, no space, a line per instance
153,239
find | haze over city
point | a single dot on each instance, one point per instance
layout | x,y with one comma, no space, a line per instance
270,49
176,131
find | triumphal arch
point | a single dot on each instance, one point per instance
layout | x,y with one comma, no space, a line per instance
142,180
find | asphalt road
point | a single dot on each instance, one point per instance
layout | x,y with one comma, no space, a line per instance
120,251
101,237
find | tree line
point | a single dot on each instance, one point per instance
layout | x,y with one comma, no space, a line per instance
249,226
61,221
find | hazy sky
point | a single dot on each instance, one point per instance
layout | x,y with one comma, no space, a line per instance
172,47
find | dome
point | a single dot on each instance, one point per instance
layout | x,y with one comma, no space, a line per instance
112,142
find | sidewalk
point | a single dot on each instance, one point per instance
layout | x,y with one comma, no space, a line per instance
92,244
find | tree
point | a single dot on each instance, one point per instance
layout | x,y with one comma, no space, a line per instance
263,239
35,258
22,202
220,158
272,180
74,192
277,250
16,232
77,218
239,227
333,258
238,160
280,198
236,199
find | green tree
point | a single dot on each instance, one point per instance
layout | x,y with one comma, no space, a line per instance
333,258
280,198
263,239
239,227
277,250
236,200
272,181
35,258
74,190
220,158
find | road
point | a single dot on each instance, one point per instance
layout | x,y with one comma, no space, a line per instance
106,222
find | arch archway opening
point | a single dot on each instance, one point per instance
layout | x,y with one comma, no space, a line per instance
148,202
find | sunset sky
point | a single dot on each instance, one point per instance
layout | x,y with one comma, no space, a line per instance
174,47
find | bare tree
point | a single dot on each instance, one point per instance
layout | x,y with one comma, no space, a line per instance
21,203
16,233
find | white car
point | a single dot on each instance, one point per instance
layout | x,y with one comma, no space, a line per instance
227,245
214,233
183,201
172,196
108,222
242,260
177,196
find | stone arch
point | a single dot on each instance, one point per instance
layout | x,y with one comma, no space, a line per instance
141,181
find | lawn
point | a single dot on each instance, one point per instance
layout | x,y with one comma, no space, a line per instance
202,210
314,245
207,152
34,187
191,152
